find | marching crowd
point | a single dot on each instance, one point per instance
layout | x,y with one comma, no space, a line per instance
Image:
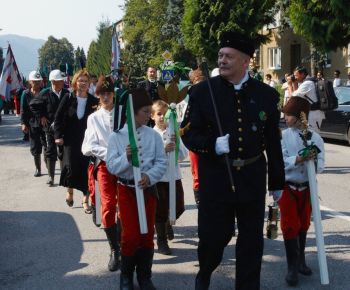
230,131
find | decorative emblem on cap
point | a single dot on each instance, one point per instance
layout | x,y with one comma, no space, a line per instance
37,75
105,85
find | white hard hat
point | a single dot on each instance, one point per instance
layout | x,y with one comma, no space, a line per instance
35,76
215,72
56,75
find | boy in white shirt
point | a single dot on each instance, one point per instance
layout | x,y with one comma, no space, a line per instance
294,202
137,249
163,227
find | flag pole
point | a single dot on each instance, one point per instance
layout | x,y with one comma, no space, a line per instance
136,167
171,117
316,212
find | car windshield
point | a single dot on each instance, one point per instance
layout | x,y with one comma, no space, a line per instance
343,95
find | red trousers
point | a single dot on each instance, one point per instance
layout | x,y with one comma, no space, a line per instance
108,188
295,207
194,169
132,239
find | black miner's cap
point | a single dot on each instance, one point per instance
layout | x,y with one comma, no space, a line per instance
238,41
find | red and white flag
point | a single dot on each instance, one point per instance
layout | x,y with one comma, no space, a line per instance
10,79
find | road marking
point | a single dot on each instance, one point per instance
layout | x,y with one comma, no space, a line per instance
335,213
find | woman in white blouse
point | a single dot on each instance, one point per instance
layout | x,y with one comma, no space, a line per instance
69,128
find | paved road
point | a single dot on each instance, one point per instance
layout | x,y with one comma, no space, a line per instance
46,245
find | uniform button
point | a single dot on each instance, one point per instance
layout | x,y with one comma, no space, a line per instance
240,120
240,129
138,139
236,93
239,111
141,161
140,147
140,154
238,168
238,101
240,139
240,149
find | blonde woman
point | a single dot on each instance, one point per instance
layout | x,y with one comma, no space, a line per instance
70,125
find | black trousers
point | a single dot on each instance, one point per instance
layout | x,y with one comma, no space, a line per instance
51,149
37,140
216,223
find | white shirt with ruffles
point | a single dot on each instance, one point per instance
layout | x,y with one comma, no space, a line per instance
99,128
292,143
183,153
151,154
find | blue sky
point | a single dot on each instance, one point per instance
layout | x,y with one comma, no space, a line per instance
74,19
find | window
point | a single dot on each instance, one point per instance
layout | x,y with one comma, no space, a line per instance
348,55
274,58
327,60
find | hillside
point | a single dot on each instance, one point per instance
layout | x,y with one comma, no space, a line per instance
25,50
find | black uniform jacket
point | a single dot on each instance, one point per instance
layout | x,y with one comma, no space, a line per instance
66,119
251,117
29,116
49,102
151,88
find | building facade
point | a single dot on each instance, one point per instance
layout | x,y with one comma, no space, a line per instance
287,50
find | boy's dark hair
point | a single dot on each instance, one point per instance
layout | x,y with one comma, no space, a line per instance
301,69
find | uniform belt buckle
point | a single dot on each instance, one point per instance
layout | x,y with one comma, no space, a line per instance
238,163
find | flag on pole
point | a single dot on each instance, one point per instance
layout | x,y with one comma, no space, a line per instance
67,75
115,53
10,79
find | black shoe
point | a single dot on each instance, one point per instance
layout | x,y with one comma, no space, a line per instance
202,283
37,163
37,173
114,261
127,269
169,231
162,242
144,258
292,253
163,247
112,236
303,268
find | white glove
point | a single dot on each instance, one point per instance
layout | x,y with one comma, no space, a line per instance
221,145
276,194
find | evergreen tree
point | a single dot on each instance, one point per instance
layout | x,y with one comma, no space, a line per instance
55,53
100,51
79,58
204,22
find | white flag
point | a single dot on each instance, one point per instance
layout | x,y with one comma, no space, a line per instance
10,79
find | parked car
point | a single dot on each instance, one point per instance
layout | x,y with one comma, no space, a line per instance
337,122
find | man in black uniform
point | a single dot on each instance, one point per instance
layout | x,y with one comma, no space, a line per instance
151,84
46,109
249,117
30,121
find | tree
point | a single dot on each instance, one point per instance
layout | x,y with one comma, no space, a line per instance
151,27
326,25
99,53
204,21
79,58
56,52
